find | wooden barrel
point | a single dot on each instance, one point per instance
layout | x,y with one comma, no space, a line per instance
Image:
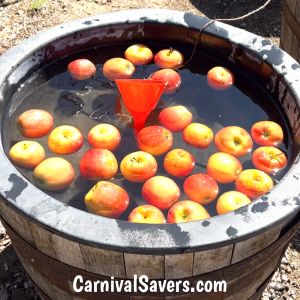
52,262
290,28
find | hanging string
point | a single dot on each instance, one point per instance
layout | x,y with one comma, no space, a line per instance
222,20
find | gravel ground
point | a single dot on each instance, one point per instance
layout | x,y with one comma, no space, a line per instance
19,20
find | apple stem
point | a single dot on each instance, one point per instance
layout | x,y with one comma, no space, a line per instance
170,51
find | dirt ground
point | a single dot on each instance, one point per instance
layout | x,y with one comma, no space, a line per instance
21,19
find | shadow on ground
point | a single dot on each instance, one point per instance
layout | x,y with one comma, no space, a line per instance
266,22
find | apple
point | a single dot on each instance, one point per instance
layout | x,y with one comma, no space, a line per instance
230,201
54,174
118,68
170,77
161,192
168,58
233,140
155,140
27,154
223,167
201,188
187,211
175,118
106,199
179,162
147,214
254,183
267,133
35,123
105,136
98,164
219,78
138,166
81,69
139,54
269,159
65,139
198,135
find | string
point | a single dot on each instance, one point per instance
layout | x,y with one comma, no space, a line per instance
222,20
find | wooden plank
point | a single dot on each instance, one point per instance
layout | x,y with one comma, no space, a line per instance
17,221
67,251
292,4
210,260
297,11
295,46
151,265
43,239
103,262
179,265
253,245
179,297
43,283
252,280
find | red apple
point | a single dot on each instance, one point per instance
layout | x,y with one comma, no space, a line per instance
170,77
254,183
65,139
35,123
106,199
187,211
161,192
54,174
179,163
267,133
175,118
198,135
27,154
118,68
81,69
168,58
155,140
230,201
223,167
98,164
139,54
220,78
105,136
269,159
233,140
138,166
147,214
201,188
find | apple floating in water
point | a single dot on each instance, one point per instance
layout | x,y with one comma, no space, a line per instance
220,78
147,214
81,69
187,211
27,154
168,58
139,54
35,123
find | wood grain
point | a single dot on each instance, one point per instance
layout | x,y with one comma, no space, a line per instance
179,265
151,265
255,244
210,260
103,262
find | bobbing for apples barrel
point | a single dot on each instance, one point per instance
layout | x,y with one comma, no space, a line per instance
56,240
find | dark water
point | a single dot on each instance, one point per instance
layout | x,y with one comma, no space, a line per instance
84,104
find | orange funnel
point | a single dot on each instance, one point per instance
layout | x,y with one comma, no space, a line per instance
140,97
